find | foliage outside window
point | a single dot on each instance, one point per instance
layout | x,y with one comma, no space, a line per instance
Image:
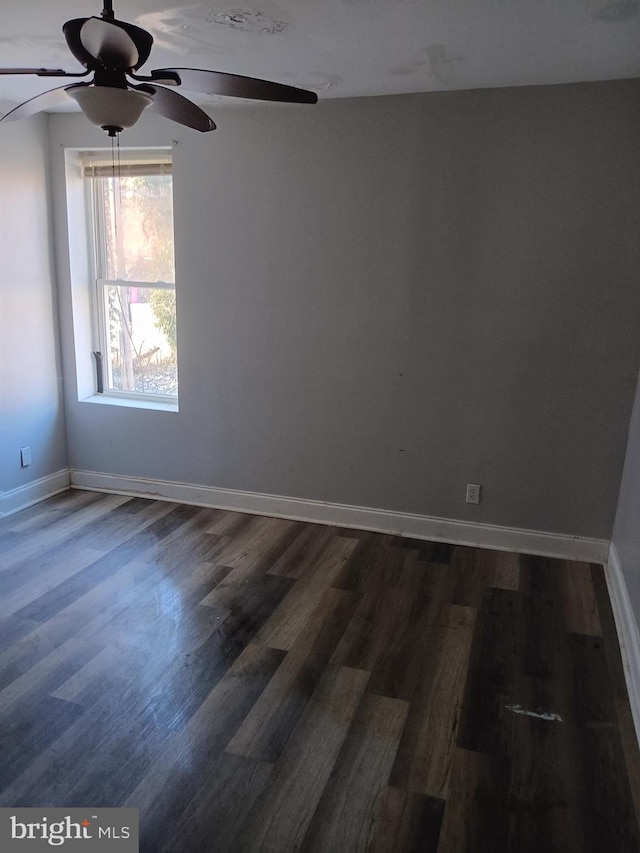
135,304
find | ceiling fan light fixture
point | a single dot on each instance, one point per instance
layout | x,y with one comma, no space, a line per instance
111,108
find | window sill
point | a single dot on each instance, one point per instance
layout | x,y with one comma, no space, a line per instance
128,403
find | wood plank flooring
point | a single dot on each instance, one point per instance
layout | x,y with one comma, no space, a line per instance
259,684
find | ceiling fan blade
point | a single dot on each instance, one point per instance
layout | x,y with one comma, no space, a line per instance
236,86
43,72
112,43
44,101
171,105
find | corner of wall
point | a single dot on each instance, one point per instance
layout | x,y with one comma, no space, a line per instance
628,635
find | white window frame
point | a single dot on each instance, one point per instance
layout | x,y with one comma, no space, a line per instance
99,285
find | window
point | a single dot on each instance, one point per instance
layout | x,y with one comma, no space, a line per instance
129,211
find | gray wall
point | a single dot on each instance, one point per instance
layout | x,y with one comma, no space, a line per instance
30,376
382,299
626,531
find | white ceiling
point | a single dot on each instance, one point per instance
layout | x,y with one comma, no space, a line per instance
345,48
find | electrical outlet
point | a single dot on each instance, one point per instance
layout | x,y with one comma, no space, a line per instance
473,493
25,457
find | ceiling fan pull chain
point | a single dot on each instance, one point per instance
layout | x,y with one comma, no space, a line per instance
116,204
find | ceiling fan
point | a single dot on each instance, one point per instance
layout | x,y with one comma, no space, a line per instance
116,96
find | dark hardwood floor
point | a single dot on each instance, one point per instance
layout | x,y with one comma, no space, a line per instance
258,684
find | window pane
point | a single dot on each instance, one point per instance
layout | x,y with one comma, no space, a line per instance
141,340
138,221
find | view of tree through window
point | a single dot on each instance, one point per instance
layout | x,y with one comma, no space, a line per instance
136,291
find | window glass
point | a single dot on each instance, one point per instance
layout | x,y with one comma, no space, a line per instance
134,288
141,345
138,228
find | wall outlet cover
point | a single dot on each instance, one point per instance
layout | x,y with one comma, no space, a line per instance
473,493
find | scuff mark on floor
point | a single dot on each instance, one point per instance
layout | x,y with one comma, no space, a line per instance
541,715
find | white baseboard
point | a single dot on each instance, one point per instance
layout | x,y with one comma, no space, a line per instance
34,492
627,631
363,518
